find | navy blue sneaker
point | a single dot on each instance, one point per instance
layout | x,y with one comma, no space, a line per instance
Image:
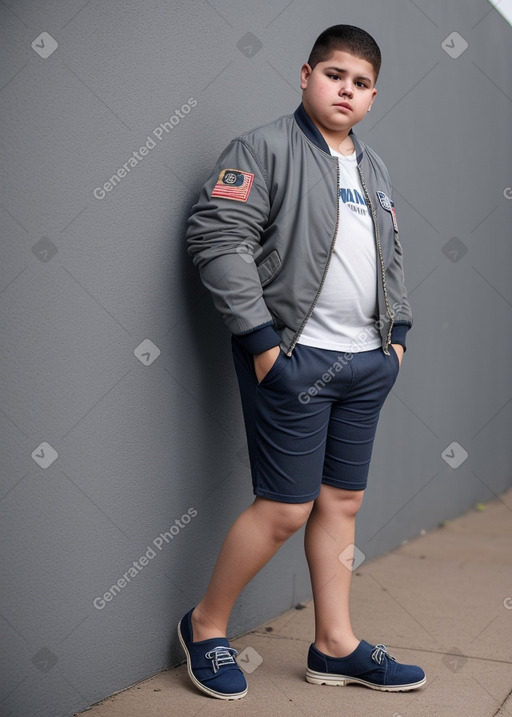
211,664
368,665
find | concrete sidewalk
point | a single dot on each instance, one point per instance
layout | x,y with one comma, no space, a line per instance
442,601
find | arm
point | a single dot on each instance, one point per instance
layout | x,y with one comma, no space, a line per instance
223,236
401,307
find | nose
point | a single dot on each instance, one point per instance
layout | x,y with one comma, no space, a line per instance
346,89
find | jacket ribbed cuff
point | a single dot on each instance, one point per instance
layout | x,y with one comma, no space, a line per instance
399,333
259,340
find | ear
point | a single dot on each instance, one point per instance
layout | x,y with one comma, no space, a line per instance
374,94
305,72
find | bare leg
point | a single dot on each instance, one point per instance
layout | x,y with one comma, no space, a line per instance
329,530
255,536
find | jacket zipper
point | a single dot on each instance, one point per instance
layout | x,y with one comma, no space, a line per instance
331,251
381,261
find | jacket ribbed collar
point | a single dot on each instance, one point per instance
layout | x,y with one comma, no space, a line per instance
313,133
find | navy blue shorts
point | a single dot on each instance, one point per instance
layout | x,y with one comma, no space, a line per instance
313,418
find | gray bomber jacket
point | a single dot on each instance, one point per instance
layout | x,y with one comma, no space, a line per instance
263,230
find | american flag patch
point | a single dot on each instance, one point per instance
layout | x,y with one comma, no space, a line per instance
233,184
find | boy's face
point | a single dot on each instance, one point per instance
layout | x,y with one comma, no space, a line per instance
338,93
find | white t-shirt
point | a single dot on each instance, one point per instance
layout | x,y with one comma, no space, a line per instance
346,311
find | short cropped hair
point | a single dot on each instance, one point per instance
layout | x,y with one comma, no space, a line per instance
349,39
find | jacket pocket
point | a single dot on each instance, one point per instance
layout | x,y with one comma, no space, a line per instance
269,267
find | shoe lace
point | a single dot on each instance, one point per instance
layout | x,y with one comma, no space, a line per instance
221,656
379,653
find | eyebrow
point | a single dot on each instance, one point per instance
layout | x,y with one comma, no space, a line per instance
340,70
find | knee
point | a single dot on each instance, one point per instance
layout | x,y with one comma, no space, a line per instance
292,517
343,502
285,518
350,504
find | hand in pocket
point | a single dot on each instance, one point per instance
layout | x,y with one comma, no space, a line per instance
264,361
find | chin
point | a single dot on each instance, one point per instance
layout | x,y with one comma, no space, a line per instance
339,127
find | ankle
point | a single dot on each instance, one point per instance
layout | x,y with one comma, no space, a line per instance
337,647
203,628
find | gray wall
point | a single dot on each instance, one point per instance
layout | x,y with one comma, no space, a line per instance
141,439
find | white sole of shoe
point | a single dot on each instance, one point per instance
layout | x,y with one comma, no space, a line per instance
320,678
199,685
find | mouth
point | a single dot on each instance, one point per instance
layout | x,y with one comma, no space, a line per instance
343,105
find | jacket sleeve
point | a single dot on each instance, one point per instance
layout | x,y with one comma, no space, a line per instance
401,307
396,283
223,237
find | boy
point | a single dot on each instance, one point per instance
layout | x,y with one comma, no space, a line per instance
295,235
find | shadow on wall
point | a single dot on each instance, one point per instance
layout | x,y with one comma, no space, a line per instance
216,437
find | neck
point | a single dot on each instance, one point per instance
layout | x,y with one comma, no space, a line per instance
316,134
345,147
341,140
